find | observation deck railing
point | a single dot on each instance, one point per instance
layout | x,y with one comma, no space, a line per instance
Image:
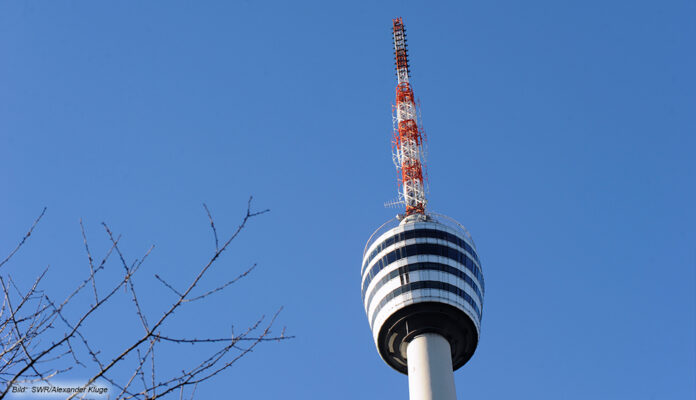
429,217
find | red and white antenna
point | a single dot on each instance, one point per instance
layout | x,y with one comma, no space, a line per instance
408,138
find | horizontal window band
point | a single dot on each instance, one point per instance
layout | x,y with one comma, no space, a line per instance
426,266
421,233
424,285
423,249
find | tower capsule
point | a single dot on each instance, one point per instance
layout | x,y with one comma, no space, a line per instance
422,275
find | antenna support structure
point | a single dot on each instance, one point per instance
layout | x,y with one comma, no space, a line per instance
408,138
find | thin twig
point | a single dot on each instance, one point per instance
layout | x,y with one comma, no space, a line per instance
168,285
219,288
212,225
24,239
91,261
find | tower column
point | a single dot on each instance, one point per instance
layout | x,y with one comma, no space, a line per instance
430,374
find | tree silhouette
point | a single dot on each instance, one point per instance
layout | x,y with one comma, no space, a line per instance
41,340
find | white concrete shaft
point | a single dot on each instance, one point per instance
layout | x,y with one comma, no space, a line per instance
430,375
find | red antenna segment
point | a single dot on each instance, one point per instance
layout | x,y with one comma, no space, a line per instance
408,138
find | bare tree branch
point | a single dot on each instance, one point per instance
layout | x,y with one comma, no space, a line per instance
24,239
182,297
37,333
219,288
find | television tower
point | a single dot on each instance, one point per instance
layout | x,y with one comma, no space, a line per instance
422,284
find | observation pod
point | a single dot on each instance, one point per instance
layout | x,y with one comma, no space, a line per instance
422,275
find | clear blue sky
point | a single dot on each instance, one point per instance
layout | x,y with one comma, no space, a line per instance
562,134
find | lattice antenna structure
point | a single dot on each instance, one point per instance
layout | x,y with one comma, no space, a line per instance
407,143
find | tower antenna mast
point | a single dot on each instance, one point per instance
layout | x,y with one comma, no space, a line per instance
408,138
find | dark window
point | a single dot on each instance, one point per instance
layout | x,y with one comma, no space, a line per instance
426,285
421,267
421,233
423,248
